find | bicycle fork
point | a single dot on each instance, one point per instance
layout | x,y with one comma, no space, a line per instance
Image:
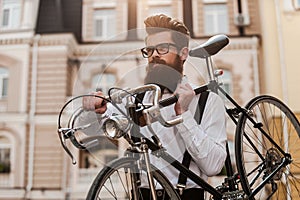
144,149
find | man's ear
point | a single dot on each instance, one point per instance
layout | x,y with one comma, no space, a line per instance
184,53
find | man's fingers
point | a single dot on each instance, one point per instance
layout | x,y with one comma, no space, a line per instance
94,103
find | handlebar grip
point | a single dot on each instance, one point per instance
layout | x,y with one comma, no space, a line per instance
174,98
168,101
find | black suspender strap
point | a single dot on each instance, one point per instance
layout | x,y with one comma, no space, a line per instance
187,157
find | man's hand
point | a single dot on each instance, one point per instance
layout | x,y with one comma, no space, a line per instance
95,103
186,94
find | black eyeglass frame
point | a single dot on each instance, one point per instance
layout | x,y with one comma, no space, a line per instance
155,48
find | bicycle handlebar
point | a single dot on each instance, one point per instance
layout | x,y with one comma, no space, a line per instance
173,99
152,113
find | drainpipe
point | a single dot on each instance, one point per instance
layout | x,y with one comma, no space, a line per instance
281,53
240,12
255,65
32,113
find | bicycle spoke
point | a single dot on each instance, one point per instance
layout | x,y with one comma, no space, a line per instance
118,181
123,185
262,152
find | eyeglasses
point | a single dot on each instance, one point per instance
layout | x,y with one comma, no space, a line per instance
161,49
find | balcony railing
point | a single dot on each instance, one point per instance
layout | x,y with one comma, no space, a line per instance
5,180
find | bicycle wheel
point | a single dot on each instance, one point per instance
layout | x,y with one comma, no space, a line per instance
257,157
120,178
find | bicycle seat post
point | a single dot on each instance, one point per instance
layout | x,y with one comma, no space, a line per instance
210,68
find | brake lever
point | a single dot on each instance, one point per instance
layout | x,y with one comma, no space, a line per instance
62,137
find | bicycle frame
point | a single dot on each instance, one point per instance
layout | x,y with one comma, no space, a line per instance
239,110
233,113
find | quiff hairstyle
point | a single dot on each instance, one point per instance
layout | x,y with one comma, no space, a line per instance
160,23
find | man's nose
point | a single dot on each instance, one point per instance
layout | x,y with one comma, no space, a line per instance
155,53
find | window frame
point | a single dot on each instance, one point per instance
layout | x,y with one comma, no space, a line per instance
297,4
4,76
227,83
216,19
103,27
165,9
103,78
105,23
14,14
6,178
227,80
5,148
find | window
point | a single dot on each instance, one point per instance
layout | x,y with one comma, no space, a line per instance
297,4
96,158
159,7
11,12
3,82
99,155
159,10
103,82
215,19
104,23
5,161
226,80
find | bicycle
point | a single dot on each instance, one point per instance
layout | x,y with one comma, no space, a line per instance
266,137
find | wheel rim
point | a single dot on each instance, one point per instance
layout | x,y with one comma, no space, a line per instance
259,158
116,183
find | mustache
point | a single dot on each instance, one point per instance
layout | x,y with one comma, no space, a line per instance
157,61
164,77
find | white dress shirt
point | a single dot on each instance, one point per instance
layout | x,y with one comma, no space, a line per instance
205,142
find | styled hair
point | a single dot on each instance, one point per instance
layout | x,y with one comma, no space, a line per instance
161,23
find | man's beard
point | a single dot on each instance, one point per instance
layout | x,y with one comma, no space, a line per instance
177,64
163,75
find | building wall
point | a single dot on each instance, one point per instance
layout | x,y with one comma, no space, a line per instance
280,46
250,10
15,56
54,53
91,6
65,67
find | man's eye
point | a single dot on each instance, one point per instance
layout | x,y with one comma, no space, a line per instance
162,48
149,49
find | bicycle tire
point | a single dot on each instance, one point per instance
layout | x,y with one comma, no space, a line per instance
112,182
256,157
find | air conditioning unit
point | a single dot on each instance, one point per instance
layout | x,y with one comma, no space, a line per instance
242,19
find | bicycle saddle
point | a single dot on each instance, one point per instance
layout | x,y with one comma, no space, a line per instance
211,47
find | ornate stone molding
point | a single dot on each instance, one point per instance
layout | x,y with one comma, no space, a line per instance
242,43
64,39
126,50
14,37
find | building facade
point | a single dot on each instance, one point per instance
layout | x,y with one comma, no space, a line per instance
53,50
